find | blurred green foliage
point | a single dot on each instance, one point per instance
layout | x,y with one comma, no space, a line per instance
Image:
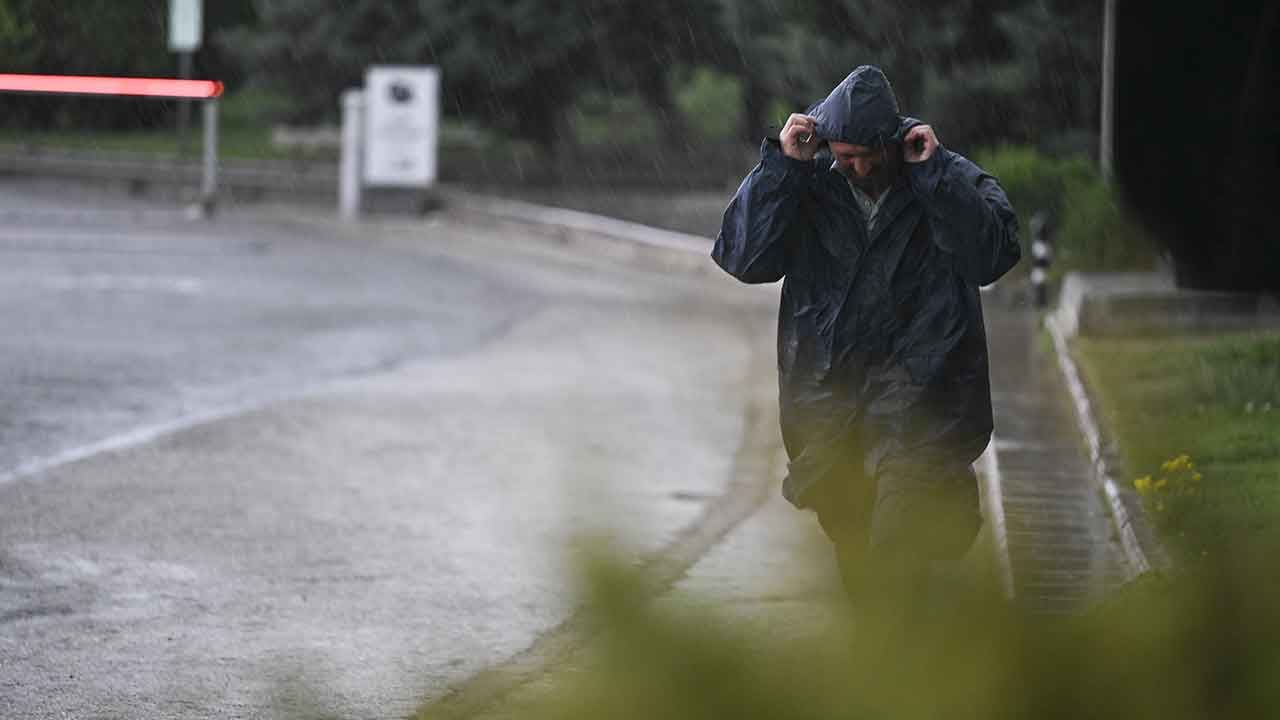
605,72
1192,645
1091,231
1215,400
103,37
253,107
710,103
511,66
1009,70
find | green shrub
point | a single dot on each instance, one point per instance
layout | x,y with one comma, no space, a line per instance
1168,648
711,103
601,119
1092,229
254,107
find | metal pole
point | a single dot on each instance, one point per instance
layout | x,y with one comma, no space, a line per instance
209,181
352,147
1106,151
184,106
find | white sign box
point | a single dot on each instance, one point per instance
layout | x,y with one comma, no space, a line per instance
185,25
402,125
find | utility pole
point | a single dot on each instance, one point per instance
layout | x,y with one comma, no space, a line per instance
1107,144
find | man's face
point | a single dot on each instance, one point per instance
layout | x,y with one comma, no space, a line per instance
856,160
873,170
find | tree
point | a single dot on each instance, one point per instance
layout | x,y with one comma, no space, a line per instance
639,44
100,37
514,66
987,71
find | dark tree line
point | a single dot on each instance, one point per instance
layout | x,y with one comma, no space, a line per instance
985,71
997,70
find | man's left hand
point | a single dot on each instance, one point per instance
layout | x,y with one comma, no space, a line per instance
920,144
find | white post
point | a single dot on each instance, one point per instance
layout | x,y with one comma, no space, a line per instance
352,142
1107,144
209,181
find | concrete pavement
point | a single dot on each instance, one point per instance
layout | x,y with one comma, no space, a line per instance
370,537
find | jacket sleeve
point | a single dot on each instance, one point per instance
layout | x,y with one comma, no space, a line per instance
970,214
763,218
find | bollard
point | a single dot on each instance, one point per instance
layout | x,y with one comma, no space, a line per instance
1041,257
349,165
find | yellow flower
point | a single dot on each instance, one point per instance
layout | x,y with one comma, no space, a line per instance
1162,483
1143,484
1195,477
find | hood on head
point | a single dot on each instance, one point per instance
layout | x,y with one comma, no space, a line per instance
861,110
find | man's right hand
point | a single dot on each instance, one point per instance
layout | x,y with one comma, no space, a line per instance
799,137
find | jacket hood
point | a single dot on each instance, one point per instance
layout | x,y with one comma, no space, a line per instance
861,110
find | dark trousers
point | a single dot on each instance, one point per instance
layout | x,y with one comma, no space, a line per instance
893,535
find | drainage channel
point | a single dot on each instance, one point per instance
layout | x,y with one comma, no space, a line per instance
1063,550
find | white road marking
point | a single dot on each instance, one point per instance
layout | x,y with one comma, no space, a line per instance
128,440
148,433
99,282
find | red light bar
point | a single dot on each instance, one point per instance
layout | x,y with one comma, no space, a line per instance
135,87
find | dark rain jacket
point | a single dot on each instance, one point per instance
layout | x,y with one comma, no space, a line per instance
882,354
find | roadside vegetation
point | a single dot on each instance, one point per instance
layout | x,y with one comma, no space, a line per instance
1089,226
1197,420
1165,650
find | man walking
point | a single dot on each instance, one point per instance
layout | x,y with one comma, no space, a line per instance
882,238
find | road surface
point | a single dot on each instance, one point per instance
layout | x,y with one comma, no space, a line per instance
272,466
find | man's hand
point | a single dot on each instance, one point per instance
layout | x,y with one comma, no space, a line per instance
920,144
798,137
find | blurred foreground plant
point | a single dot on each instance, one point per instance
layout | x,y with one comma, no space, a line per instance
1195,645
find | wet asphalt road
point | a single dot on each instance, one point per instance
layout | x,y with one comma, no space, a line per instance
265,467
116,321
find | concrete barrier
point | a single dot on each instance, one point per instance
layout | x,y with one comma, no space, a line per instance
1119,304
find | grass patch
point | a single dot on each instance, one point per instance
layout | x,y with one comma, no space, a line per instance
1214,401
233,142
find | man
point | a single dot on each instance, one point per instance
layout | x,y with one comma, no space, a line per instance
882,238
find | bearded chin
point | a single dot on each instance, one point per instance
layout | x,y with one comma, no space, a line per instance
873,184
878,180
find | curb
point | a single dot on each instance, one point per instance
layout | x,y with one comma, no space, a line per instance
993,510
1137,562
622,239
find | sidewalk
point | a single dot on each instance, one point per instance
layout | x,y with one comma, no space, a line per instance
1062,545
